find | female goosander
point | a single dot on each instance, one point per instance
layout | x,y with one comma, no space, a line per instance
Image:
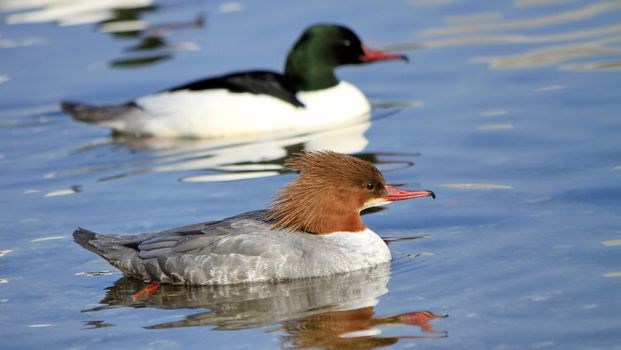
307,96
312,228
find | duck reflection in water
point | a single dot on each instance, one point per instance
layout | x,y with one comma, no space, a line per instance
329,312
231,159
357,329
124,20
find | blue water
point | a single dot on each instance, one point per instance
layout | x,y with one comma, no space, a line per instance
509,111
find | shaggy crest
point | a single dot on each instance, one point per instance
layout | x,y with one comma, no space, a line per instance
328,195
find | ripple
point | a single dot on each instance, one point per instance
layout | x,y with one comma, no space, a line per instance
473,17
550,55
4,280
389,240
612,242
64,192
477,186
95,273
413,255
537,199
611,30
583,13
495,127
491,28
5,252
614,274
529,3
25,42
229,176
230,7
590,66
550,88
430,2
397,104
48,238
28,111
494,113
543,344
41,325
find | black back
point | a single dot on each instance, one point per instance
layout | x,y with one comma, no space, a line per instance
254,82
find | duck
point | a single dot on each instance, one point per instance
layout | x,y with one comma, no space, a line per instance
307,96
312,228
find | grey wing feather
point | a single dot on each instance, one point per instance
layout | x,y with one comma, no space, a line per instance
230,236
197,254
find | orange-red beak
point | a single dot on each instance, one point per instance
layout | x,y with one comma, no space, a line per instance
396,194
371,55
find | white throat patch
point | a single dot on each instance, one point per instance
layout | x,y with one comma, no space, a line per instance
374,203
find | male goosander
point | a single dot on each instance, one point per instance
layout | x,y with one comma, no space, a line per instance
312,228
307,96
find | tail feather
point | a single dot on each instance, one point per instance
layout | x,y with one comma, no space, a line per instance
84,237
120,251
97,114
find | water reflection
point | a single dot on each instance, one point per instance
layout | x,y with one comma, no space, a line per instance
554,55
580,14
616,65
356,329
122,19
67,12
595,39
96,324
330,312
526,3
227,159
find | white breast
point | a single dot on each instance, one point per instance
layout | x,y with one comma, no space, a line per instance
349,251
220,113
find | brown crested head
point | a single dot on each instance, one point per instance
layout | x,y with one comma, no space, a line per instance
330,192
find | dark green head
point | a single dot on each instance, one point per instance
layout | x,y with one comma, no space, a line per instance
323,47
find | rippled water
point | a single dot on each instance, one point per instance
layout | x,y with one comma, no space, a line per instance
509,111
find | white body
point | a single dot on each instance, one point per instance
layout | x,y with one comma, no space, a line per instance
220,113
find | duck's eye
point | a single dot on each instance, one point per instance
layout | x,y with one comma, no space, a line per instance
347,43
370,186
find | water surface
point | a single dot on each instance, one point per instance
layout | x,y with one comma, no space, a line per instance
508,110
